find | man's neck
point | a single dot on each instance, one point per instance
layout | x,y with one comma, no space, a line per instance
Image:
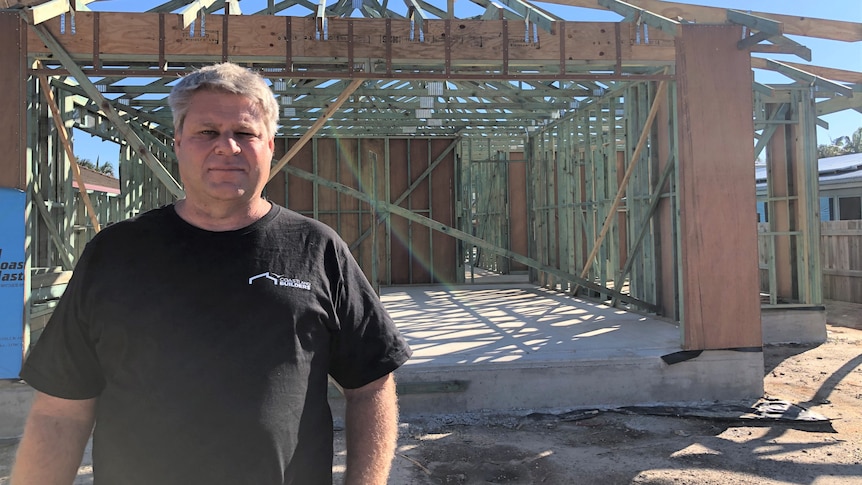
219,218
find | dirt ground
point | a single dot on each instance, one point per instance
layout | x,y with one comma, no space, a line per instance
642,447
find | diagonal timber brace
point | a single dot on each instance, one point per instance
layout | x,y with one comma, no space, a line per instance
315,127
424,175
381,206
645,225
769,130
657,100
110,112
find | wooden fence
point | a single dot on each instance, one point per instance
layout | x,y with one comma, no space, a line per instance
840,258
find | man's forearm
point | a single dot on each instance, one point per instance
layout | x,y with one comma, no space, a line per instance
53,443
372,432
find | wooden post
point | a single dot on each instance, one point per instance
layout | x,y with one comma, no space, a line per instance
718,233
13,78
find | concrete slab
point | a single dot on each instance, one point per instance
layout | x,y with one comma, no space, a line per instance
507,345
794,325
516,346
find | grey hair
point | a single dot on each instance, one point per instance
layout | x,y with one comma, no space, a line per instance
229,78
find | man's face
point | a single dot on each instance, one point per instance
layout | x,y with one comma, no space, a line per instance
224,150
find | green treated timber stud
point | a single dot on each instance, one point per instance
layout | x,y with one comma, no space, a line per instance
792,47
769,130
652,19
432,276
813,207
767,26
62,250
645,226
806,77
531,13
834,105
437,226
418,14
432,9
763,89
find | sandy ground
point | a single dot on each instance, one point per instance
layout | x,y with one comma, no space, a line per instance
615,447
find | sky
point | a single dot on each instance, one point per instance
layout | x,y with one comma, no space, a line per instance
827,53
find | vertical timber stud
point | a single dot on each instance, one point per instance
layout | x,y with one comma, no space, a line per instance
720,288
13,79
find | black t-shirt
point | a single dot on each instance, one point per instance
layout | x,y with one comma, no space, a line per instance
209,351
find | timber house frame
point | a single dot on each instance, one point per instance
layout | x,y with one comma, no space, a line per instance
612,160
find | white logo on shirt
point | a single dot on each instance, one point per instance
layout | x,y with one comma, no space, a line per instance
280,280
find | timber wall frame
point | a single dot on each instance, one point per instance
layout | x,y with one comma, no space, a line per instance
621,188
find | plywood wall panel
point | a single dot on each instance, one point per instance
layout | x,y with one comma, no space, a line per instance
665,237
374,153
327,167
413,247
300,192
721,307
398,183
420,242
518,209
443,209
351,164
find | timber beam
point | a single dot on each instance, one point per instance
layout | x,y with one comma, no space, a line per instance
839,75
793,24
368,48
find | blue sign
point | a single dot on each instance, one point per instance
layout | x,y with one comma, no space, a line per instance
12,235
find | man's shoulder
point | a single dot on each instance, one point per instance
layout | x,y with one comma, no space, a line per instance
143,223
296,221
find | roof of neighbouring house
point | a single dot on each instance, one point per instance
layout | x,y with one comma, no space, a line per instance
832,169
98,181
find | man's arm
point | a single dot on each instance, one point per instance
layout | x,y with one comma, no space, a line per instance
372,431
54,438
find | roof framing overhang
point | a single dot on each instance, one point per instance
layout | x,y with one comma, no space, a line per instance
516,67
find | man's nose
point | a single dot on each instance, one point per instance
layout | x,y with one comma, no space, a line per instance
227,144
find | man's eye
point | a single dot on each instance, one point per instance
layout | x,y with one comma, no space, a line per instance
208,132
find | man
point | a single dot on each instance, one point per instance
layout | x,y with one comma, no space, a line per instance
198,337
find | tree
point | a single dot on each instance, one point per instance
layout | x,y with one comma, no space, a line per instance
855,141
105,168
843,145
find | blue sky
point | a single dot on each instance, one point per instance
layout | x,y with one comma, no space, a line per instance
836,54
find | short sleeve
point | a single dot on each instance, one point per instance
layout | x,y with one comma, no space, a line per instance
63,362
367,345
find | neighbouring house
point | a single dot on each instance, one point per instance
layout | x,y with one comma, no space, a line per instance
98,181
840,188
